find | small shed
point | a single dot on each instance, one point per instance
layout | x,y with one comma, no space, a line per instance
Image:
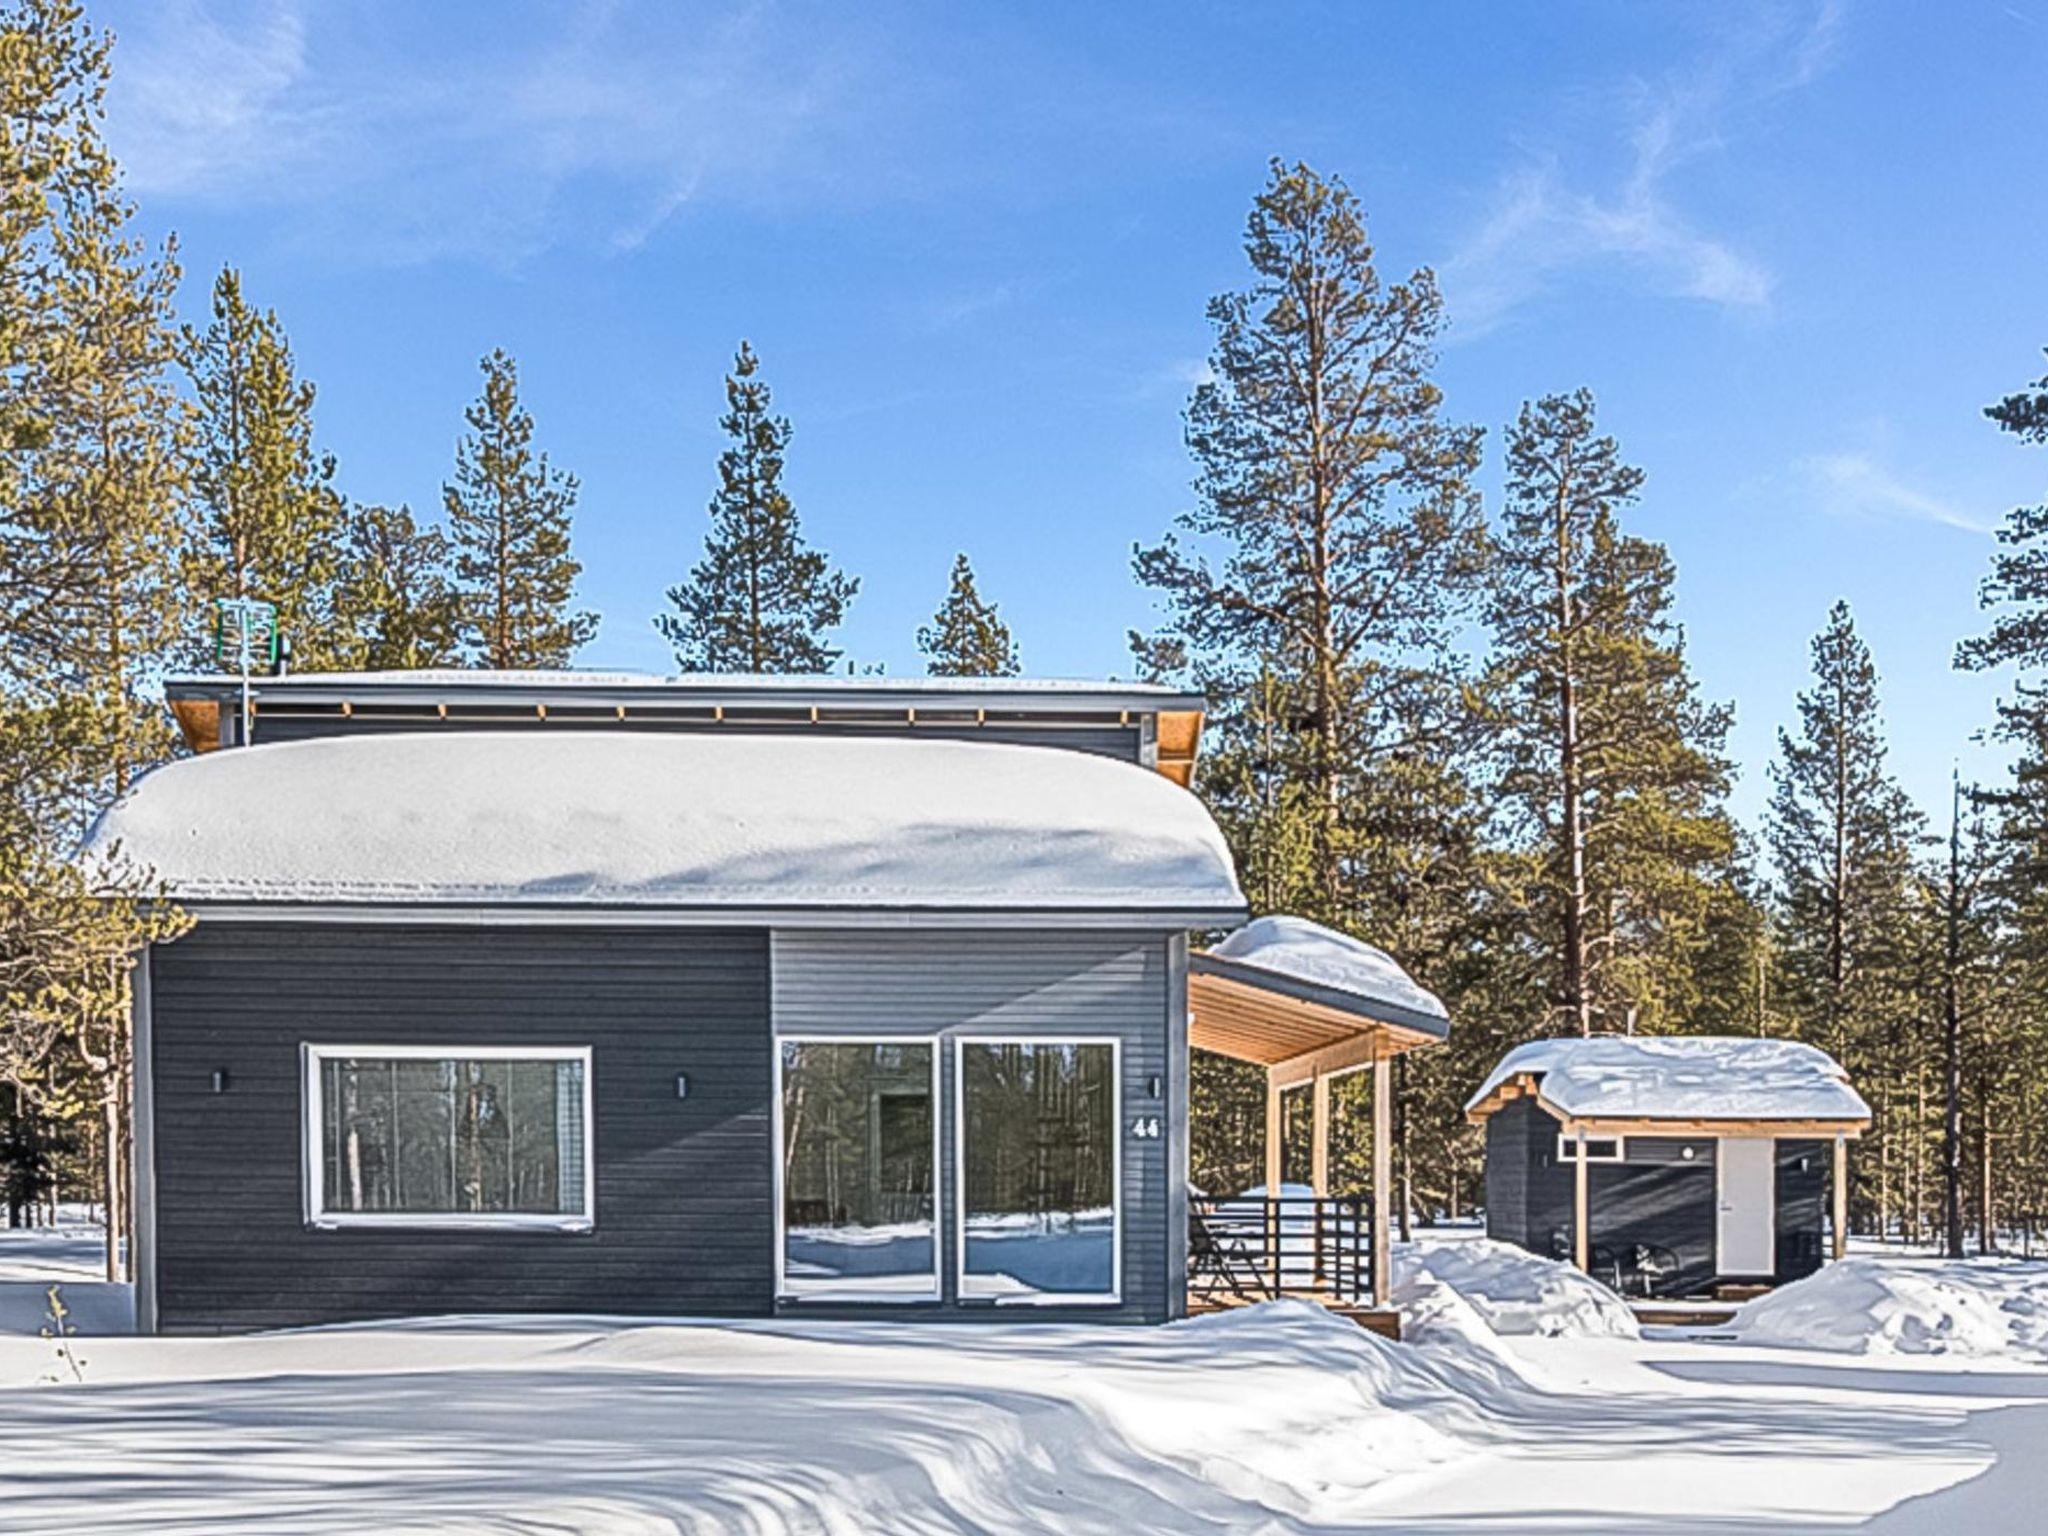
1670,1166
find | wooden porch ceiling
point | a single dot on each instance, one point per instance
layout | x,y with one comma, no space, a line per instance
1250,1023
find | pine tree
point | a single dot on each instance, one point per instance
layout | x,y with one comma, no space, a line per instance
1343,503
92,488
761,599
1613,770
966,638
2013,1042
509,516
394,607
270,519
1841,834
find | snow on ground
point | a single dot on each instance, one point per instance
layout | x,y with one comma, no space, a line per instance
1278,1420
72,1257
1513,1291
1987,1308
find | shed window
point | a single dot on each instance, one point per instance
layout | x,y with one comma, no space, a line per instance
1599,1149
858,1169
1040,1208
439,1136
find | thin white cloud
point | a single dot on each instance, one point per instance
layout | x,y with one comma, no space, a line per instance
1855,484
356,130
1544,222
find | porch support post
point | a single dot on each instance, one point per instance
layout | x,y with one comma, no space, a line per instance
1841,1197
1274,1129
1582,1222
1319,1176
1382,1178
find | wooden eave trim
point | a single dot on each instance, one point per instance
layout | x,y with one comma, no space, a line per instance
1246,1022
1697,1127
198,722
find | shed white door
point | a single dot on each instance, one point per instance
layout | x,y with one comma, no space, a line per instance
1746,1228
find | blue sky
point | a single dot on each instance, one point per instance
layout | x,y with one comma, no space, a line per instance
1794,249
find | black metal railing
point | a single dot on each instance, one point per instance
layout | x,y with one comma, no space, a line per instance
1253,1248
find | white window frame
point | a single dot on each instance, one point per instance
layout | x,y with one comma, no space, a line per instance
1110,1298
313,1142
852,1292
1568,1148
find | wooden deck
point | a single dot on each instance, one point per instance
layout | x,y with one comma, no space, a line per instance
1682,1314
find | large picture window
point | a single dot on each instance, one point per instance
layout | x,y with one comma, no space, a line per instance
859,1175
438,1136
1039,1170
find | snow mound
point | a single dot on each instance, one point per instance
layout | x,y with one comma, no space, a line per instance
1893,1306
1306,951
1509,1290
1682,1077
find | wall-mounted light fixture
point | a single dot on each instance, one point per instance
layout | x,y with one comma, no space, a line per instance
220,1079
1152,1085
682,1085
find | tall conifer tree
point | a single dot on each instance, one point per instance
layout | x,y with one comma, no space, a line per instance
1342,501
92,487
394,606
270,519
1613,766
966,637
1841,834
509,518
761,599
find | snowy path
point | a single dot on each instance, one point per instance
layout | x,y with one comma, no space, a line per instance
1682,1438
1282,1424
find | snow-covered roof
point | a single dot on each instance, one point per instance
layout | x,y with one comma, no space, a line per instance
616,818
1681,1077
1295,949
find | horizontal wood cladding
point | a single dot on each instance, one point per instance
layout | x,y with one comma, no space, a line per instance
953,983
1662,1195
683,1213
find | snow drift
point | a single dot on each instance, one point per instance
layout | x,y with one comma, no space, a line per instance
1895,1306
1509,1290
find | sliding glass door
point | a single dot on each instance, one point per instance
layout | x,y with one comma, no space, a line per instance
1038,1169
859,1154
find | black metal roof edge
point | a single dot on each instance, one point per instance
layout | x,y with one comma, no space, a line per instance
1379,1010
755,915
311,688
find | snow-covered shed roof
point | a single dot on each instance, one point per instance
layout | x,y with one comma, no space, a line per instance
1284,989
655,820
1693,1078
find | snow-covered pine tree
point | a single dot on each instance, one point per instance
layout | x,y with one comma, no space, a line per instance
270,521
509,517
761,599
394,606
1612,766
966,637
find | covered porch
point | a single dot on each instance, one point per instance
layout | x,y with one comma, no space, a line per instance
1308,1006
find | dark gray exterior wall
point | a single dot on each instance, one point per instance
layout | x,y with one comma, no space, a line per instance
683,1214
1107,740
1656,1197
949,984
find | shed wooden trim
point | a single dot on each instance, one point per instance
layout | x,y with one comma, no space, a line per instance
1751,1126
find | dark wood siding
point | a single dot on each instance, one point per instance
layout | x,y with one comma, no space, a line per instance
948,984
1804,1169
280,723
1657,1198
683,1215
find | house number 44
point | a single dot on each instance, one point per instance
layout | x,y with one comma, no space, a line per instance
1145,1128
